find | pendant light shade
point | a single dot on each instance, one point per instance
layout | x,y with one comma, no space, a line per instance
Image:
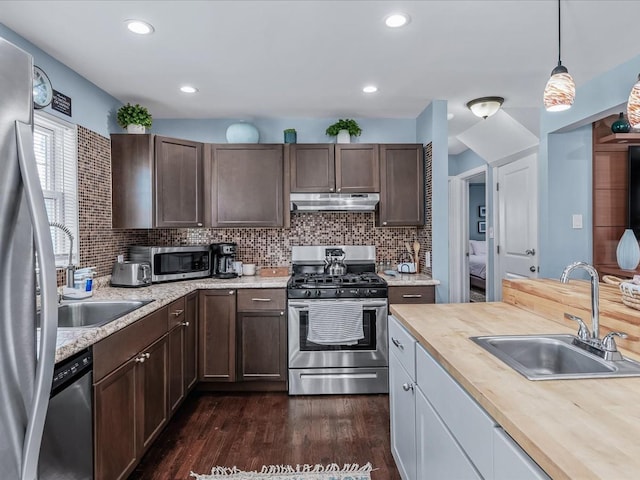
560,90
633,105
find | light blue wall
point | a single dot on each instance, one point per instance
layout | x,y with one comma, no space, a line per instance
477,192
309,130
91,106
432,127
565,161
465,161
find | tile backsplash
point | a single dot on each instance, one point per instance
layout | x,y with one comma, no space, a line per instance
100,244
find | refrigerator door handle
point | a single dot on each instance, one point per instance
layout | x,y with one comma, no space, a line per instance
48,297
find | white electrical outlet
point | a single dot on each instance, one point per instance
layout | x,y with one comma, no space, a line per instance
576,221
427,259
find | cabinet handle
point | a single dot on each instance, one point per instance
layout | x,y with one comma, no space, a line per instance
384,223
397,343
340,189
261,299
185,324
146,355
140,359
177,313
281,314
409,295
199,224
407,386
331,189
231,292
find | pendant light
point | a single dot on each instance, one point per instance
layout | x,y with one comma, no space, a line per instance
561,89
633,105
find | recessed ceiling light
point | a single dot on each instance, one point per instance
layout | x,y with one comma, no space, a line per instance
139,27
396,20
370,89
188,89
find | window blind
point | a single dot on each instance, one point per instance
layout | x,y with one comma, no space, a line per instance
55,146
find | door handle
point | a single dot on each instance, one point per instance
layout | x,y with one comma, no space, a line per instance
532,269
531,251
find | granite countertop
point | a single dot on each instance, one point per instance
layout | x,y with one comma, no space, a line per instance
409,279
573,429
72,340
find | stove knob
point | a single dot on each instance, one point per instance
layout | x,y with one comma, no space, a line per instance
318,293
307,293
367,293
338,292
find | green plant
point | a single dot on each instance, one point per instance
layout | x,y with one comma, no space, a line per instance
289,130
346,124
134,115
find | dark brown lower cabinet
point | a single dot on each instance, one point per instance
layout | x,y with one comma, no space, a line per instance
217,339
176,341
130,411
262,352
412,294
191,342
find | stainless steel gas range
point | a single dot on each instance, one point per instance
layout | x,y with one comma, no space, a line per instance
337,322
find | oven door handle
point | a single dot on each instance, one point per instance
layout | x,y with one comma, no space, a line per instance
365,305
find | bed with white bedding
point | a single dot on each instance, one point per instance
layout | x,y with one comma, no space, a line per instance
478,263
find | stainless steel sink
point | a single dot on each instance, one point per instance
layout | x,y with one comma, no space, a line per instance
553,357
94,313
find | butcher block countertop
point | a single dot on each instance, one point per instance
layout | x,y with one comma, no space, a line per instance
574,429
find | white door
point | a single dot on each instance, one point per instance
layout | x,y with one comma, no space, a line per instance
517,197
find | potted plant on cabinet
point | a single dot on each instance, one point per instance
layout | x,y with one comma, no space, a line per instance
135,118
343,130
290,135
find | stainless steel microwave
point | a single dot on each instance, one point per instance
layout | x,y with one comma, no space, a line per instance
174,263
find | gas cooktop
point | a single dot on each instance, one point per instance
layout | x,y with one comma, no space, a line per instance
349,285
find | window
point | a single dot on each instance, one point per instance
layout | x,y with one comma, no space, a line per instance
54,143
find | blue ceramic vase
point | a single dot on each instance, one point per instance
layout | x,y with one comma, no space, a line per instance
621,125
242,133
628,251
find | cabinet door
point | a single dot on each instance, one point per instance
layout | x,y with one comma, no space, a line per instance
217,325
132,180
247,187
403,416
401,186
178,183
116,408
190,341
262,346
357,168
439,457
510,461
176,341
312,167
154,387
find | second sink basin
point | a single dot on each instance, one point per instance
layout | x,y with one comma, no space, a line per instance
94,313
553,357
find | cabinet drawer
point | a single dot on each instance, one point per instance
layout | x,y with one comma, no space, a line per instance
176,312
116,349
413,294
402,345
510,461
261,299
468,422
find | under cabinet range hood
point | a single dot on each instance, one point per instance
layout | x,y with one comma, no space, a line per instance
345,202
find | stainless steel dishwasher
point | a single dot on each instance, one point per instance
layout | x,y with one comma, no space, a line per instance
67,444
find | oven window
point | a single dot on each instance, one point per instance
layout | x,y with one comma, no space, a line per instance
367,343
170,263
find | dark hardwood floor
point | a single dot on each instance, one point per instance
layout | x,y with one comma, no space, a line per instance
254,429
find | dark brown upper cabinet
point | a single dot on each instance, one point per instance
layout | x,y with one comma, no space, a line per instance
334,168
401,185
247,186
156,182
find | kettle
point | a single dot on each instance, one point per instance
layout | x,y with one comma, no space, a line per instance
334,262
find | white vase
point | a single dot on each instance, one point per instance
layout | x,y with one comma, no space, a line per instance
343,137
628,251
136,129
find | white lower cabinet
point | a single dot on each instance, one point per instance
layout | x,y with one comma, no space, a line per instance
437,452
438,431
403,418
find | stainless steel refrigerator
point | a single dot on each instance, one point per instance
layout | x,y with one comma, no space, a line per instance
26,364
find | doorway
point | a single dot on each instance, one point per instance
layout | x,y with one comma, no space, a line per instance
470,227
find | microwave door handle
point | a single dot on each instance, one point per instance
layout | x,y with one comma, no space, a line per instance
48,296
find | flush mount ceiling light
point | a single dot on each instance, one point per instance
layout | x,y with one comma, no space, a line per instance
370,89
560,90
396,20
139,27
486,106
188,89
633,105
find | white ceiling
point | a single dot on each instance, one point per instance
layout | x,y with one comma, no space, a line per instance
311,58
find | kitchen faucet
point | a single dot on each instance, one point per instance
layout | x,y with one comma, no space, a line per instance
595,295
70,269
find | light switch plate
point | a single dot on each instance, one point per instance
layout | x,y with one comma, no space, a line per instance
576,221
